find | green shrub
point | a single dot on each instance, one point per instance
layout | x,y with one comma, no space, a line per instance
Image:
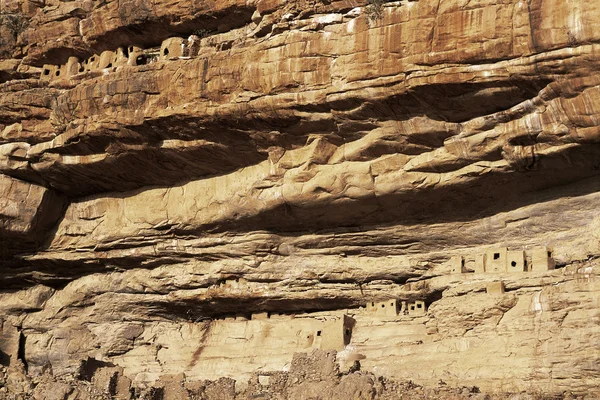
374,10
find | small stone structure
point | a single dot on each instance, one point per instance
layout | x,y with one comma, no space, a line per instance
498,260
495,260
334,334
457,265
106,60
48,72
393,308
388,307
541,260
417,308
479,267
330,334
263,315
172,48
515,261
495,288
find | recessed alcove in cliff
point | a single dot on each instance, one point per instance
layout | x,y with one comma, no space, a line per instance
152,31
460,102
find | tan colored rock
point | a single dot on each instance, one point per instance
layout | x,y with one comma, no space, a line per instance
52,391
287,169
26,212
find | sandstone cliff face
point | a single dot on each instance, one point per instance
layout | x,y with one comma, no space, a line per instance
214,204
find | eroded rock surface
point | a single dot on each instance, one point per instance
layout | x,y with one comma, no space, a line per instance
209,188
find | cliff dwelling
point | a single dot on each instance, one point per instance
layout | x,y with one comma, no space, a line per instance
501,260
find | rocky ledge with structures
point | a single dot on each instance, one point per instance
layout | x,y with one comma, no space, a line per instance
299,199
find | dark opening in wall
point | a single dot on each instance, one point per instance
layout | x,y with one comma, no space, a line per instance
141,60
513,264
21,352
109,65
318,333
166,52
4,359
496,256
347,332
46,72
92,59
126,52
383,306
549,254
88,368
419,305
81,69
58,73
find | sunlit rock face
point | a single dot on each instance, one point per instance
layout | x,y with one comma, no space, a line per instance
208,188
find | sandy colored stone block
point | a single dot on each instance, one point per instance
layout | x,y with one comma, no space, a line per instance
457,265
480,260
541,259
495,288
260,316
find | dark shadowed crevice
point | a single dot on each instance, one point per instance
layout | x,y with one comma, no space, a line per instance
21,352
88,368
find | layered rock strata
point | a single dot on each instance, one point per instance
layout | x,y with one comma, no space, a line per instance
210,187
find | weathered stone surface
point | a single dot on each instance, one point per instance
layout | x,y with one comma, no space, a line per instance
287,169
27,212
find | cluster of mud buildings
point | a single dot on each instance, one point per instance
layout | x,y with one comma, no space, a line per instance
172,48
501,259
